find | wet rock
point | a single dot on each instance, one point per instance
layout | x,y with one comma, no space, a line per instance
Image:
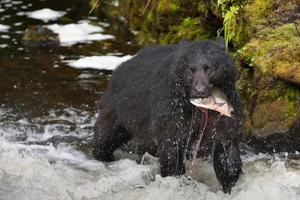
271,105
40,36
288,141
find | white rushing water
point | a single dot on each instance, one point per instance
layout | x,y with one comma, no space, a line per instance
108,62
30,172
4,28
81,32
46,14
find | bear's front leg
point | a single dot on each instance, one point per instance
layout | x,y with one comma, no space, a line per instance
226,154
171,157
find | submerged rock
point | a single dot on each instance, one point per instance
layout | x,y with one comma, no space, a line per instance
40,36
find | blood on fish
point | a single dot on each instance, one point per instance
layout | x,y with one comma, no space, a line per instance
198,145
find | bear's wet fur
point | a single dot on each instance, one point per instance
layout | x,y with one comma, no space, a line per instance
147,100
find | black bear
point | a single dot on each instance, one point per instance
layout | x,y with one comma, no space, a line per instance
148,101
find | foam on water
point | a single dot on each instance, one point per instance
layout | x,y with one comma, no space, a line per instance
4,28
99,62
3,45
62,172
45,14
78,33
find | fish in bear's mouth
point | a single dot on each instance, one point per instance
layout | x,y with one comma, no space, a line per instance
217,101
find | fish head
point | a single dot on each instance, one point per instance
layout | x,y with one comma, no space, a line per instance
207,102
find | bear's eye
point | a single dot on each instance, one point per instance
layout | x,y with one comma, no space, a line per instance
190,73
206,68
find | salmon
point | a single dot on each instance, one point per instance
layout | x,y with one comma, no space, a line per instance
217,101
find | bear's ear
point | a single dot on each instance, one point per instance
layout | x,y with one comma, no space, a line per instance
220,42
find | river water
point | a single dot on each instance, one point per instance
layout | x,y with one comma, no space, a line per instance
47,110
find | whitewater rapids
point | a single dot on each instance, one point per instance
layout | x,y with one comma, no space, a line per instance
41,172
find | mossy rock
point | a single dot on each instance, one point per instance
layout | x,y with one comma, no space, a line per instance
268,118
40,35
275,52
269,64
273,115
270,105
257,15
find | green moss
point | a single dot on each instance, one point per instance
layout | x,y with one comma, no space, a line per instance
257,10
189,22
245,85
275,52
167,21
150,17
168,6
271,90
189,28
257,15
202,7
291,97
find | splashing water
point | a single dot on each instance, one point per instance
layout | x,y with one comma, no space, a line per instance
64,172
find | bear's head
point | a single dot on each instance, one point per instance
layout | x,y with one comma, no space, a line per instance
206,65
